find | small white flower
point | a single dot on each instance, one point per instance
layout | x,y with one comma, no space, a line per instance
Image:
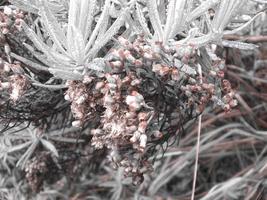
76,123
135,137
8,10
143,141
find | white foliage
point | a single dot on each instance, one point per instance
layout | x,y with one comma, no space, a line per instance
77,40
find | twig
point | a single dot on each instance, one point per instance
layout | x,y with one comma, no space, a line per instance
197,157
248,39
198,143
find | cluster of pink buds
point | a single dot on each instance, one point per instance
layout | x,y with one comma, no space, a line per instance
18,85
33,171
10,20
228,98
4,67
164,70
133,165
126,111
13,80
134,170
129,51
83,101
185,53
119,122
135,101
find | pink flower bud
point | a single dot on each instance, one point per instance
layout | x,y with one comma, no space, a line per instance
142,127
131,128
87,79
135,106
138,63
142,116
125,42
116,64
233,103
220,74
99,85
157,134
135,82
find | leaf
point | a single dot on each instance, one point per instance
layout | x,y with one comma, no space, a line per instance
26,5
49,146
245,25
200,10
170,20
142,21
74,12
87,17
25,157
39,44
224,13
108,35
104,16
29,62
154,18
98,64
179,18
53,27
19,147
65,74
78,48
239,45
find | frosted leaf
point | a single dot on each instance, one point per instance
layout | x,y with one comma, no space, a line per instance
142,20
26,5
78,46
239,45
108,35
244,25
86,17
39,44
200,10
19,147
170,19
25,157
49,146
179,18
225,13
154,18
29,62
98,64
65,75
260,1
53,27
104,16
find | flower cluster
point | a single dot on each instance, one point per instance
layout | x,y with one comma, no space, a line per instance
12,80
39,169
128,97
10,20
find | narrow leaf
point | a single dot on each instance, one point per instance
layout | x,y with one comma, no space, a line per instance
49,146
154,18
53,27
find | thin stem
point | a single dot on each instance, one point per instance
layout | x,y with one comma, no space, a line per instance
197,157
198,143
